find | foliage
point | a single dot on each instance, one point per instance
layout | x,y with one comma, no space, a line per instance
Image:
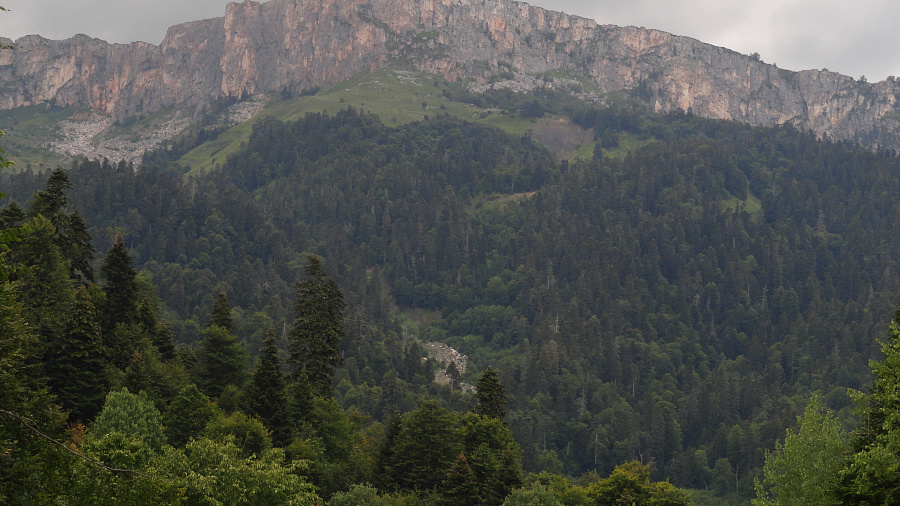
247,434
221,314
804,470
76,365
491,395
630,484
535,495
266,393
187,415
222,361
673,298
131,414
315,338
870,474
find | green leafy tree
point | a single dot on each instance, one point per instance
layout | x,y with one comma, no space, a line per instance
219,472
266,394
187,415
535,495
491,395
248,433
871,475
804,470
630,484
130,414
222,361
315,338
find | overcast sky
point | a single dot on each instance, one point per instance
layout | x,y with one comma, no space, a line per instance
852,37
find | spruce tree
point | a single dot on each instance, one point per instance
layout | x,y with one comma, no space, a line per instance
266,396
315,338
491,395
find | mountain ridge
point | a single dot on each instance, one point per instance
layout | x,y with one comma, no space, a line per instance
302,44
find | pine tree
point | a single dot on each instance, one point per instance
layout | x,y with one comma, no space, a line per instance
266,396
315,338
221,313
491,395
75,367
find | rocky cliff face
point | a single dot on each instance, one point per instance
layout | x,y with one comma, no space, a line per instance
298,44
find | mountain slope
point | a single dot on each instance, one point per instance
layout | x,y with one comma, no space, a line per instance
301,44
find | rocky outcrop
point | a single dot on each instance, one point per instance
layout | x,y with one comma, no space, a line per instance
298,44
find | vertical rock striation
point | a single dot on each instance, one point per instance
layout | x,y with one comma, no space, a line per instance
299,44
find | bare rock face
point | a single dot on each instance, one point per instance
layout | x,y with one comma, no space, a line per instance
299,44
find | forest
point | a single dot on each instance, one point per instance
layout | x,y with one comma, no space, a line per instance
688,308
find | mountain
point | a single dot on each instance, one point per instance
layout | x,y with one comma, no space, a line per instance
298,45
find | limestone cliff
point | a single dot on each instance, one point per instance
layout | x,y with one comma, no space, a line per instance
298,44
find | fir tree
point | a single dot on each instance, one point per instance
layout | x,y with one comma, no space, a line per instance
491,395
76,365
221,313
315,338
70,231
222,361
121,301
266,396
459,485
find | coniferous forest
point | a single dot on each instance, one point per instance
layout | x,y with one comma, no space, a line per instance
678,319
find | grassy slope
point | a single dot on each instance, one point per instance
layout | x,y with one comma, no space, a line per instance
393,93
28,129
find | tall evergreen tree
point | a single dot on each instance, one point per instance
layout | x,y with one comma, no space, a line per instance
491,395
221,313
71,235
120,307
76,366
266,395
222,361
315,338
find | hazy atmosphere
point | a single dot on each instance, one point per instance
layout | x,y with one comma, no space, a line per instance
854,38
